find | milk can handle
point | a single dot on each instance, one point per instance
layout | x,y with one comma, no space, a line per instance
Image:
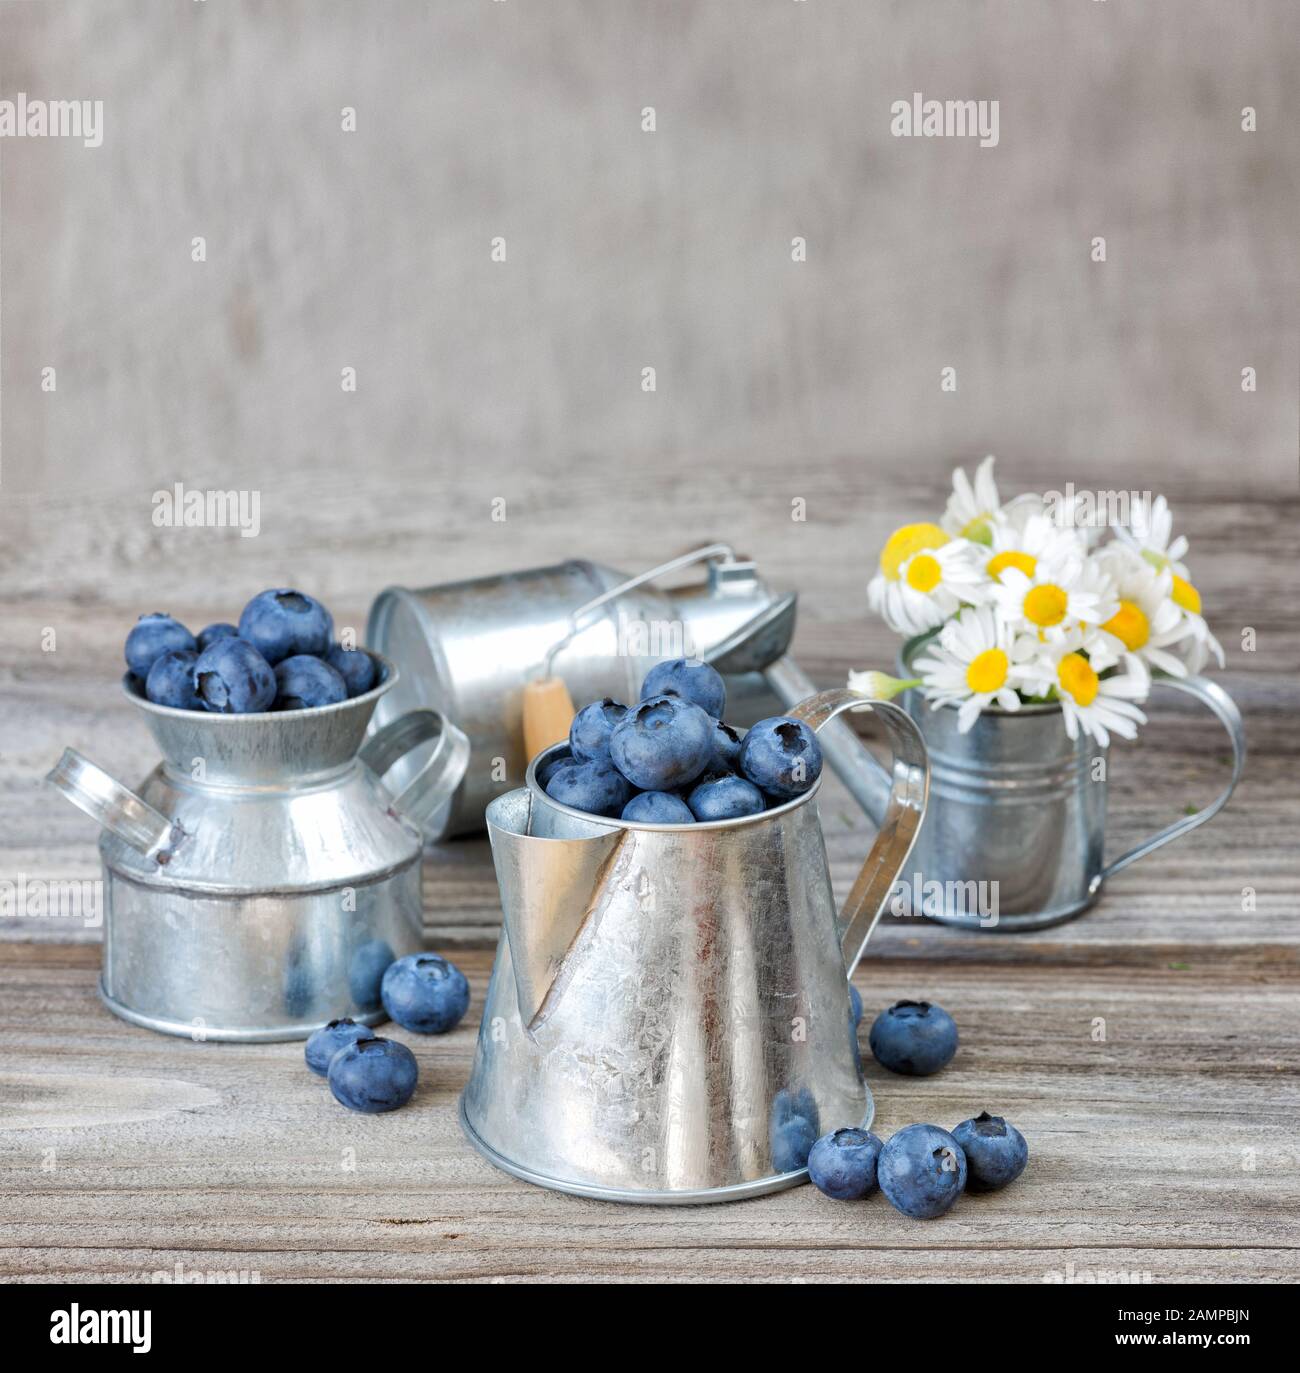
117,808
908,793
579,616
434,785
1213,696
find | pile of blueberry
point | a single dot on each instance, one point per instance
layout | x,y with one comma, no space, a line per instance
672,760
421,992
921,1169
281,656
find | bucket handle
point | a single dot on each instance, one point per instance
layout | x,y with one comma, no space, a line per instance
1215,699
908,794
117,808
434,785
578,619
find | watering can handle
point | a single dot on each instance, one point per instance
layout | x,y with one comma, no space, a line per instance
909,791
117,808
868,781
434,785
1213,696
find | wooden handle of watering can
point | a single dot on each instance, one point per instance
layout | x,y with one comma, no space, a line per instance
548,713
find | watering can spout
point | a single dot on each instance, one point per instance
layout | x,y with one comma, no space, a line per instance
548,887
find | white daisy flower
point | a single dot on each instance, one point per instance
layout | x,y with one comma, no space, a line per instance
1060,595
1150,532
1198,642
924,577
972,505
1075,512
1098,705
1023,543
976,661
1148,618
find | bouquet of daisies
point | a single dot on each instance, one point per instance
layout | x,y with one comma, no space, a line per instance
1029,602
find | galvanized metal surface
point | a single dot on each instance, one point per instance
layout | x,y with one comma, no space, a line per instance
1015,833
666,998
264,875
467,649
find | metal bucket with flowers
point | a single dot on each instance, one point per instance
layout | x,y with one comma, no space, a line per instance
1034,635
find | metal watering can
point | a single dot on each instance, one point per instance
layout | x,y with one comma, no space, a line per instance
264,875
668,1018
468,650
1015,835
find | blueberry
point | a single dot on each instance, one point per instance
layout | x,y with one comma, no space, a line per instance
298,978
211,633
546,770
724,796
425,993
151,636
232,678
366,969
794,1128
302,682
329,1039
662,743
690,679
855,1004
805,1104
726,746
792,1142
996,1153
280,623
921,1171
781,756
171,680
914,1038
843,1164
598,788
658,808
373,1075
591,728
355,666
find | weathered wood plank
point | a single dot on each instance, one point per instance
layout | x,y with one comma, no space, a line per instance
1160,1148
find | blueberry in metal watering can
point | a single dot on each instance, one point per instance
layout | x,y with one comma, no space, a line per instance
469,650
264,875
668,1018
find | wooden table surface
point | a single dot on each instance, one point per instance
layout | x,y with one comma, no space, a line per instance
1149,1051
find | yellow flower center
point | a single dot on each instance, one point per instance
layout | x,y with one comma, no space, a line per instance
1025,562
1186,595
1129,625
924,573
1046,605
987,671
978,530
904,542
1078,679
